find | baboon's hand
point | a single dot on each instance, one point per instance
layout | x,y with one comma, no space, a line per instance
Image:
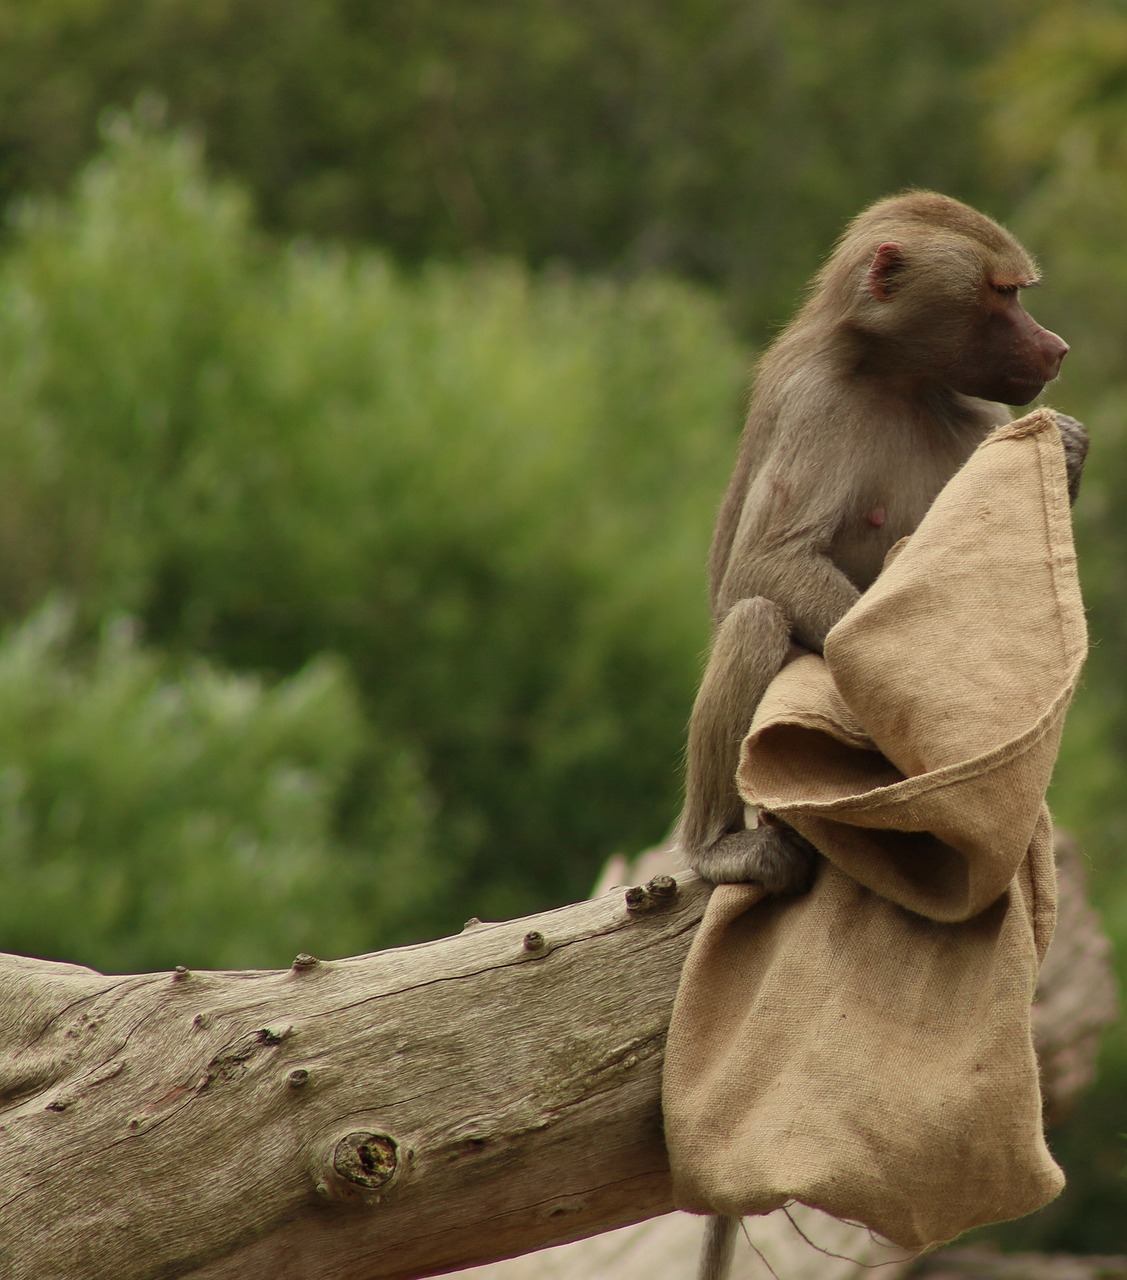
772,854
1075,441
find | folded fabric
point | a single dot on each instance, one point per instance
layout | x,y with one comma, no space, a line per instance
866,1048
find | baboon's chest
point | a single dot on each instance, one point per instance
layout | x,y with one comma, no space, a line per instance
893,494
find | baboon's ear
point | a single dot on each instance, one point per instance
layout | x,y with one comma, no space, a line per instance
887,263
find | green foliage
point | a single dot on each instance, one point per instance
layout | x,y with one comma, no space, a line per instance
149,818
489,494
722,139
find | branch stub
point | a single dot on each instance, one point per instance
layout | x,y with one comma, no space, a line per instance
359,1165
654,895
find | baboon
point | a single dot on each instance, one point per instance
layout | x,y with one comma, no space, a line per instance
910,347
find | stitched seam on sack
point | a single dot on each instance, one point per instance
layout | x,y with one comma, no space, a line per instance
1030,424
1056,512
1071,634
1043,913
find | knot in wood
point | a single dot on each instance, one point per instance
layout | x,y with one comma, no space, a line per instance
533,941
305,961
366,1160
656,894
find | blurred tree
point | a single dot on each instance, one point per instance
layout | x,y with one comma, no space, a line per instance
489,494
150,816
725,139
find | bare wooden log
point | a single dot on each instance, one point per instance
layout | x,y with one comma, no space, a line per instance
391,1115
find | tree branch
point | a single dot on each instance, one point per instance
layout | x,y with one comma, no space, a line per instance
390,1115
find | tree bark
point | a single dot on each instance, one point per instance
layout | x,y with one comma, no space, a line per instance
390,1115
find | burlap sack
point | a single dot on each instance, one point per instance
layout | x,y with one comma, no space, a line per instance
866,1049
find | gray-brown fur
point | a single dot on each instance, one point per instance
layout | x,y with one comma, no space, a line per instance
909,348
719,1246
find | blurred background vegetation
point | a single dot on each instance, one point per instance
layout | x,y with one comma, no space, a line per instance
371,374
